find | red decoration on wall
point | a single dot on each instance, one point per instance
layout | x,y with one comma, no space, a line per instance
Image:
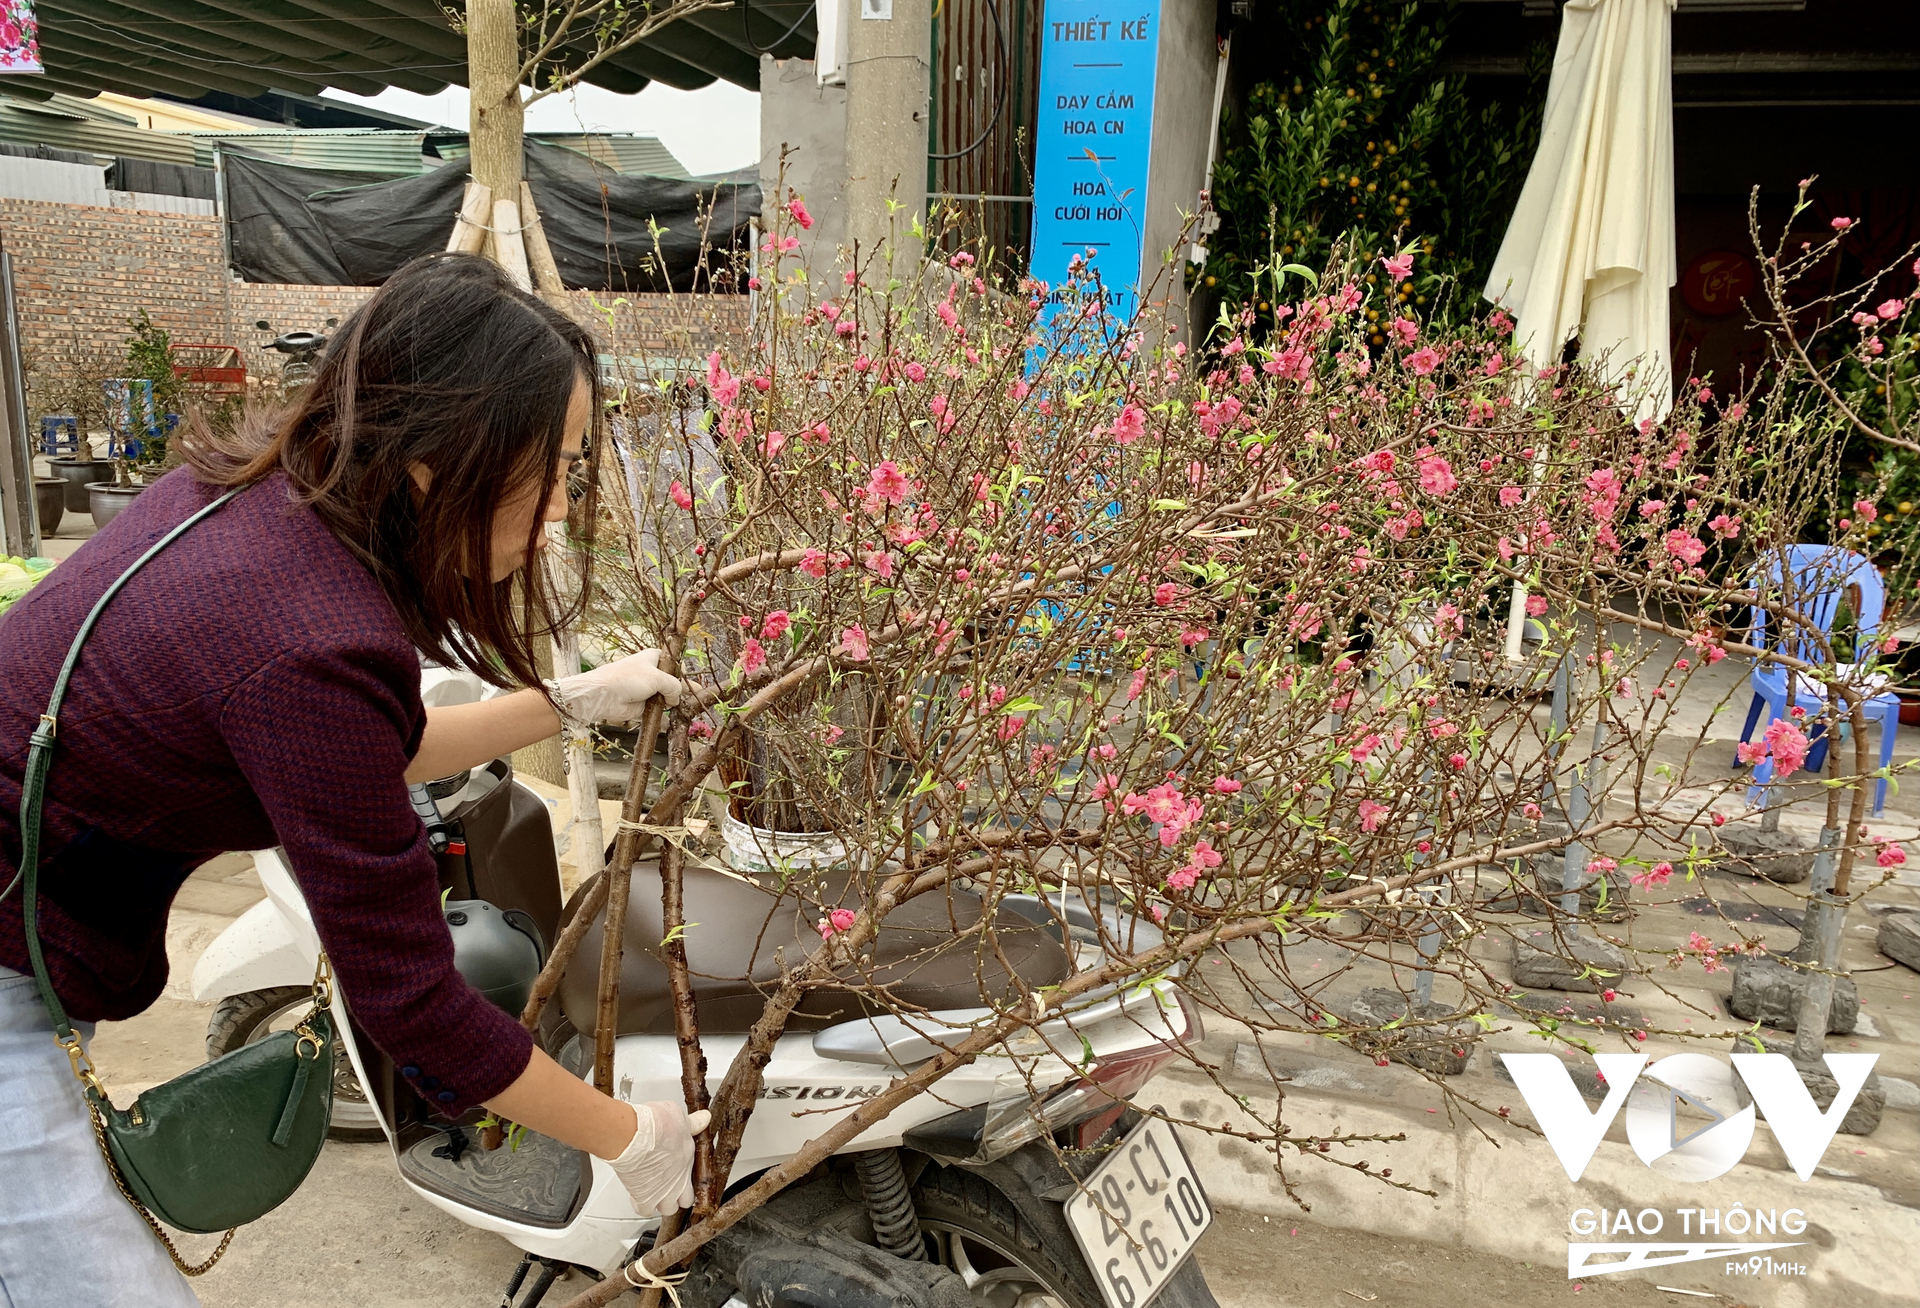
1714,283
19,38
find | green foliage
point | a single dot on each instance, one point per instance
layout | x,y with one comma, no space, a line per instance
150,356
1881,389
1357,135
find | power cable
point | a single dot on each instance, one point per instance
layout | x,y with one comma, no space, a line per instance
1000,101
746,30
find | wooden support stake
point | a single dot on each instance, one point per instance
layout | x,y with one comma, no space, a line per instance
509,251
546,273
470,228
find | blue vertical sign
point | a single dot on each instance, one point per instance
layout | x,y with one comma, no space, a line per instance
1095,133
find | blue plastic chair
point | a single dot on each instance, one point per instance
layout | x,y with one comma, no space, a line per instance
1821,576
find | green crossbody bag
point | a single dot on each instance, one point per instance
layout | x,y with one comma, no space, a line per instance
229,1141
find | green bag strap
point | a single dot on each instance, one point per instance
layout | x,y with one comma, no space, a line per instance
33,792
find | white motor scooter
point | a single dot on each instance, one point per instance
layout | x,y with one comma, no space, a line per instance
959,1197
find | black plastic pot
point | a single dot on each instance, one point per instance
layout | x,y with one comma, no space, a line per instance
50,500
105,500
80,474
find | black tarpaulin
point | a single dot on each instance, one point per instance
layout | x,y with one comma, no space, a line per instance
273,231
608,231
156,178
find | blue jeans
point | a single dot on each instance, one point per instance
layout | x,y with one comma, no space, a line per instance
68,1239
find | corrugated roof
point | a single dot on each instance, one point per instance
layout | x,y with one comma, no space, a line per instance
350,149
69,123
248,47
623,152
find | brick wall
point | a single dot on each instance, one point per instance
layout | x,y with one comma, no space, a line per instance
289,309
81,272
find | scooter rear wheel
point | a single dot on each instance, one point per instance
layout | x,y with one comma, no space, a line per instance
240,1020
1007,1256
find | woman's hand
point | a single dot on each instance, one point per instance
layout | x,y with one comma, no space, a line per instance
473,735
649,1146
616,691
657,1164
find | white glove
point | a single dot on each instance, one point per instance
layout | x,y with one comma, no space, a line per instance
657,1165
616,691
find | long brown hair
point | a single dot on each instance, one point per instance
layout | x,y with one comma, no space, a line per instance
452,366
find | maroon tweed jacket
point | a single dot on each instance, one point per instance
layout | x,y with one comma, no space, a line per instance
250,687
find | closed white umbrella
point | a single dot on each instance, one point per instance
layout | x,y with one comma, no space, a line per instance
1590,248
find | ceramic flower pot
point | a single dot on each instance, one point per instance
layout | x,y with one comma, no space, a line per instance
756,849
50,500
105,500
80,474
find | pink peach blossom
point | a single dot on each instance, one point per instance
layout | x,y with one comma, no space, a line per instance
1789,745
1436,476
1656,875
886,482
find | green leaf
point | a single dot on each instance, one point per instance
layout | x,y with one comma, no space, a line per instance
678,932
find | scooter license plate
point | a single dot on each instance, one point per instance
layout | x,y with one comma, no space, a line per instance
1139,1215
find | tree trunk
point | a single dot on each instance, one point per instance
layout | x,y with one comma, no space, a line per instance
497,127
497,121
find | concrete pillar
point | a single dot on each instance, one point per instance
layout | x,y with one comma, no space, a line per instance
1177,170
805,123
886,139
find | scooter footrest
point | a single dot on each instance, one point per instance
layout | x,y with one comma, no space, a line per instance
539,1183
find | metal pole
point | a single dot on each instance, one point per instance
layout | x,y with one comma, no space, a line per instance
19,513
1819,947
1580,808
1562,694
220,211
1820,882
1826,915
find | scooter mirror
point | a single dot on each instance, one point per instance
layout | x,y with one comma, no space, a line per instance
264,325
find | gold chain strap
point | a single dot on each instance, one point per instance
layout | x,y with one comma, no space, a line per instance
186,1269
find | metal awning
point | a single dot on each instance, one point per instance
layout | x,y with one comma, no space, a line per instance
188,48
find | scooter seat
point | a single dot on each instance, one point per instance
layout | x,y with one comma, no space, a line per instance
741,933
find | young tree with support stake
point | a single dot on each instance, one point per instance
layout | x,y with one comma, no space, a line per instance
517,56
